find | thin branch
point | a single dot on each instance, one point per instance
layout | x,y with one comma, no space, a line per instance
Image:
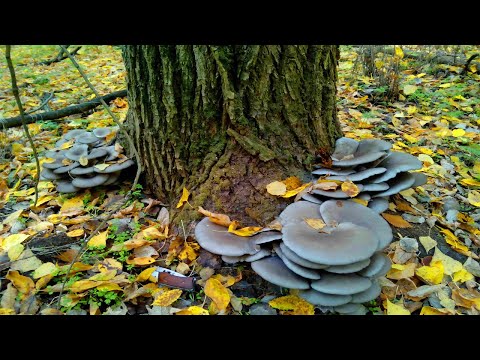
45,102
22,115
137,176
60,56
57,114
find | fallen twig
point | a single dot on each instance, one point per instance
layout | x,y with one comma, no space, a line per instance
59,57
57,114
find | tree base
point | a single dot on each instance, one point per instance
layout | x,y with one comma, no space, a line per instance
236,186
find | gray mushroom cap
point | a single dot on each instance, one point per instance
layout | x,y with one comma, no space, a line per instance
367,295
102,132
97,152
420,179
74,133
112,178
339,210
344,147
248,258
336,194
65,169
351,309
87,138
297,211
361,175
48,174
337,284
376,187
55,154
112,153
88,182
275,271
65,186
311,198
377,262
397,162
361,159
218,240
297,269
76,152
378,204
345,244
401,182
114,167
53,165
81,170
315,297
349,268
334,172
60,142
266,237
364,196
299,260
372,145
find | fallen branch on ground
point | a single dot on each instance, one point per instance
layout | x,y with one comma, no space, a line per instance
57,114
61,56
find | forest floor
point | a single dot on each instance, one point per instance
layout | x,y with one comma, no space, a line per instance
436,118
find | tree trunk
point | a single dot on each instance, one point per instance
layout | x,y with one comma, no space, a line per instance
224,121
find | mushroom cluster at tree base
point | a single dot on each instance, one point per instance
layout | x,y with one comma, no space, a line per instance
330,247
83,159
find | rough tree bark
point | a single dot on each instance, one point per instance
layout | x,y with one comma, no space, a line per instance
224,121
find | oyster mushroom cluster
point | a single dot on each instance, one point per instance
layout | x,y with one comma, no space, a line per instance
329,247
335,265
91,161
375,170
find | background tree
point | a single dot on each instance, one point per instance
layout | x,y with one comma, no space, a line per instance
224,121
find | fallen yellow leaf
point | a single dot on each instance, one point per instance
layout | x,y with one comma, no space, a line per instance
394,309
428,310
246,231
140,260
167,298
75,233
350,188
292,182
22,283
109,287
396,220
99,240
187,253
474,198
409,89
192,310
294,192
44,270
183,198
450,265
145,274
15,251
298,305
316,224
462,275
277,188
72,207
4,311
218,293
458,132
427,242
12,240
470,182
398,272
361,201
432,274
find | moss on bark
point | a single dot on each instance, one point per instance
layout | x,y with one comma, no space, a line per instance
224,121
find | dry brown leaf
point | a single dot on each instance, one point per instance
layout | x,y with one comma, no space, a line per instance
396,220
325,185
219,219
